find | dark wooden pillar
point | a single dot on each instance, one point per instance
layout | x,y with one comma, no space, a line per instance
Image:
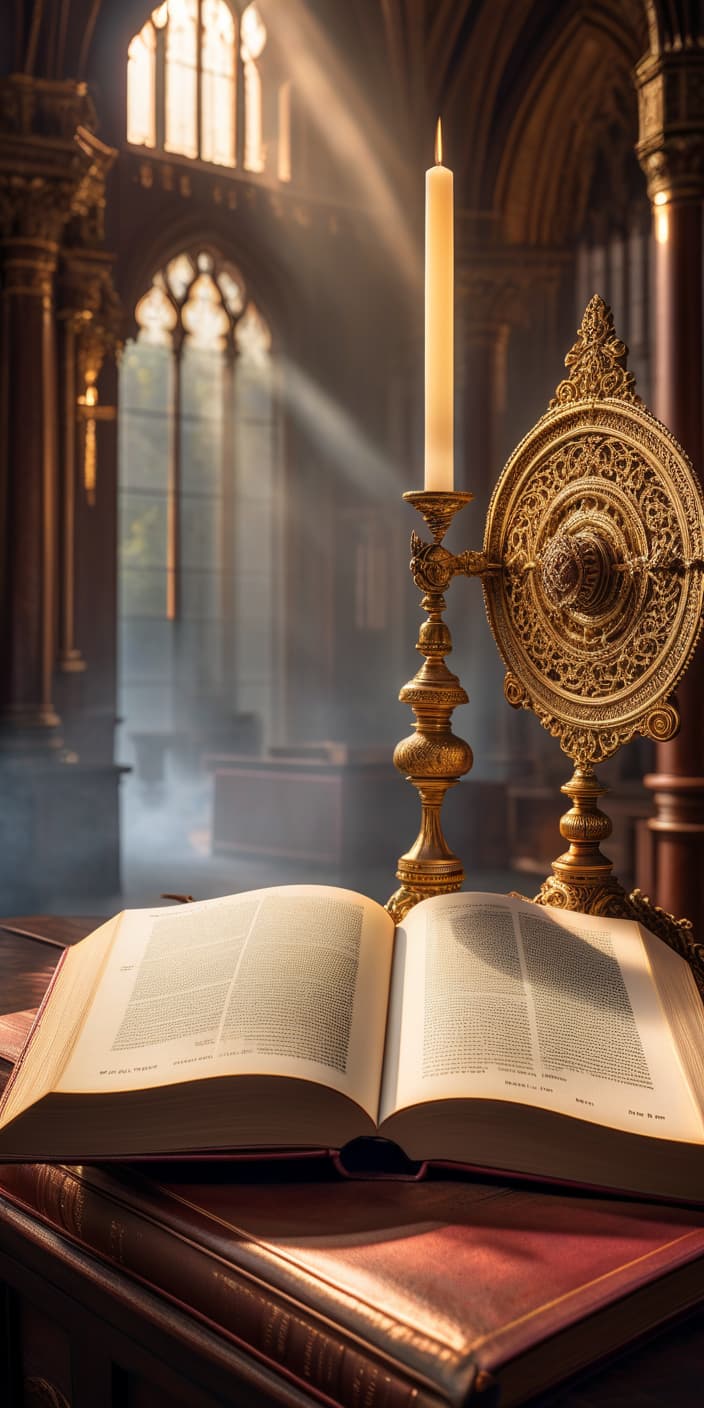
28,466
88,321
671,152
40,190
52,186
70,659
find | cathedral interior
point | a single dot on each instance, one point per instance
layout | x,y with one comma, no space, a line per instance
211,402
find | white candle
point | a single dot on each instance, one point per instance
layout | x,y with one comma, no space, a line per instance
439,323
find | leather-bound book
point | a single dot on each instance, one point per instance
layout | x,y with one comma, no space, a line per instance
385,1294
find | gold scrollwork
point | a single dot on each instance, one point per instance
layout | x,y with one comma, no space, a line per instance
432,566
514,692
599,522
662,723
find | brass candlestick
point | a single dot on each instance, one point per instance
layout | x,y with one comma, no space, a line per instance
593,577
433,758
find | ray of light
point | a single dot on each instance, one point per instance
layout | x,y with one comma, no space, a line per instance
351,454
344,119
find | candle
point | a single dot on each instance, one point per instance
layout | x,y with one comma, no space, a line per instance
439,323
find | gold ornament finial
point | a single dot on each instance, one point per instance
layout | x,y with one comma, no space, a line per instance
597,361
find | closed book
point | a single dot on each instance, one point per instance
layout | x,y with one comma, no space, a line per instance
390,1295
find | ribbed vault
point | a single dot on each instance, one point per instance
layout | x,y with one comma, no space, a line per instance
574,113
537,97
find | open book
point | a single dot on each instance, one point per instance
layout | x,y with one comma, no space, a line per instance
485,1030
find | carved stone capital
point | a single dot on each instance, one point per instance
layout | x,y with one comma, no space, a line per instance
43,107
52,167
33,208
88,205
29,268
86,293
670,146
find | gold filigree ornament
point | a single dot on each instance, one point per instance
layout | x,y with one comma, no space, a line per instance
598,522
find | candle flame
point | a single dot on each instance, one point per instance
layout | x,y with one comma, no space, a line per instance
438,144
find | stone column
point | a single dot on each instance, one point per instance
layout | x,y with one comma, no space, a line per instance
28,461
671,152
88,323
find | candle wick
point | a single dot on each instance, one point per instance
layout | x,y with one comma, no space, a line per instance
438,144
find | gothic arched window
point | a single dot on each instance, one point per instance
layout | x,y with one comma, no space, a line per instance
198,472
183,70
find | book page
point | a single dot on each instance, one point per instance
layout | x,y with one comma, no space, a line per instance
290,981
58,1023
503,999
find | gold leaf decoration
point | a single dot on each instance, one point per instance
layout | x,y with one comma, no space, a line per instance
598,522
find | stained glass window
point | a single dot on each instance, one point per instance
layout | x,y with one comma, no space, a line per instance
232,289
252,336
218,83
156,316
198,473
183,68
141,104
179,275
181,126
204,317
254,38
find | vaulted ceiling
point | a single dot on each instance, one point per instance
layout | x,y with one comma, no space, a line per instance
537,96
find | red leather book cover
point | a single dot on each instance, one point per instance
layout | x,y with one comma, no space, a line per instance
422,1293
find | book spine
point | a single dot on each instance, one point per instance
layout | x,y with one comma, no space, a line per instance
337,1368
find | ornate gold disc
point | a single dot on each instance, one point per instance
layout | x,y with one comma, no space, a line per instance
598,523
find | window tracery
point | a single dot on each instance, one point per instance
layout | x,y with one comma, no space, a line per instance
141,87
254,37
183,69
218,83
181,78
198,463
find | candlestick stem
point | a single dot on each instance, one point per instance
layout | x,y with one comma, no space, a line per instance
432,757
